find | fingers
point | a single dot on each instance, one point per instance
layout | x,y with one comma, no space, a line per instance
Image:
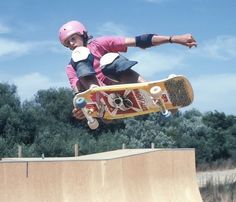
191,42
77,113
190,45
186,40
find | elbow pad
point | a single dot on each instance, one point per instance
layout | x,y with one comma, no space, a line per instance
144,41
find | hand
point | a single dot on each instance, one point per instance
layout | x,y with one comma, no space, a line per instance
77,113
185,39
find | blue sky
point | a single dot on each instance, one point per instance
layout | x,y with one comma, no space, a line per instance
32,58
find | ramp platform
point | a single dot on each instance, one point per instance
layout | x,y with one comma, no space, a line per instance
129,175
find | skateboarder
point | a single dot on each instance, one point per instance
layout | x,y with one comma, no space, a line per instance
85,69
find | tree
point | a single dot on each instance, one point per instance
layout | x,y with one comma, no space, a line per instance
8,95
231,141
10,109
56,103
218,120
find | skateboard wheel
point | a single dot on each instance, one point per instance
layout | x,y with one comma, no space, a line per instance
93,86
156,91
93,124
80,103
172,76
167,115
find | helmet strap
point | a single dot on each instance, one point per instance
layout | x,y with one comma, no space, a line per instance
85,38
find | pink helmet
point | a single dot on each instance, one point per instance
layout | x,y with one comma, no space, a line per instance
71,28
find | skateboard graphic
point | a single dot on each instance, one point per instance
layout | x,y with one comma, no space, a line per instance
128,100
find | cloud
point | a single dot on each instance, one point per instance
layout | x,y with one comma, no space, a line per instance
4,29
14,48
151,63
221,48
215,92
29,84
110,28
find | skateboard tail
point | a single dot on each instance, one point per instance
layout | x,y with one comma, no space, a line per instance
180,91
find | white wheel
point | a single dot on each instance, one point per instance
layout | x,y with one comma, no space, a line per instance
166,113
156,91
80,103
93,86
93,124
172,76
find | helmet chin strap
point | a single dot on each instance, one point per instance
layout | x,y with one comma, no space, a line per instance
86,38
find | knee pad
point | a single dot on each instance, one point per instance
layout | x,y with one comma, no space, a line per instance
82,62
114,64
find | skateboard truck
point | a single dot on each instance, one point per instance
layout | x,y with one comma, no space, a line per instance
156,92
80,103
119,102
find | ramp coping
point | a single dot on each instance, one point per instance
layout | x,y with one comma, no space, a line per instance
110,155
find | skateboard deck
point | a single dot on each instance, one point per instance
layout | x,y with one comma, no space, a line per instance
128,100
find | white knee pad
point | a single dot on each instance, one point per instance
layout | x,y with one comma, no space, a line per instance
107,59
80,53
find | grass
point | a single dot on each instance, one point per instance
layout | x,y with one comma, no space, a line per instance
225,192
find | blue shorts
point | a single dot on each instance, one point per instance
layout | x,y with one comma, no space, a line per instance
117,67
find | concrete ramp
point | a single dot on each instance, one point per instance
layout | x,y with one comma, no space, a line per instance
143,175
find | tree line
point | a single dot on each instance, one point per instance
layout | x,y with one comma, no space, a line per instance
45,125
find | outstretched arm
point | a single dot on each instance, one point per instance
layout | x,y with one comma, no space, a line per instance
155,40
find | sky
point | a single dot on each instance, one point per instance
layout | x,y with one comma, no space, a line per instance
32,58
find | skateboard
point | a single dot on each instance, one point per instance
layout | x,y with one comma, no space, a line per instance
128,100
